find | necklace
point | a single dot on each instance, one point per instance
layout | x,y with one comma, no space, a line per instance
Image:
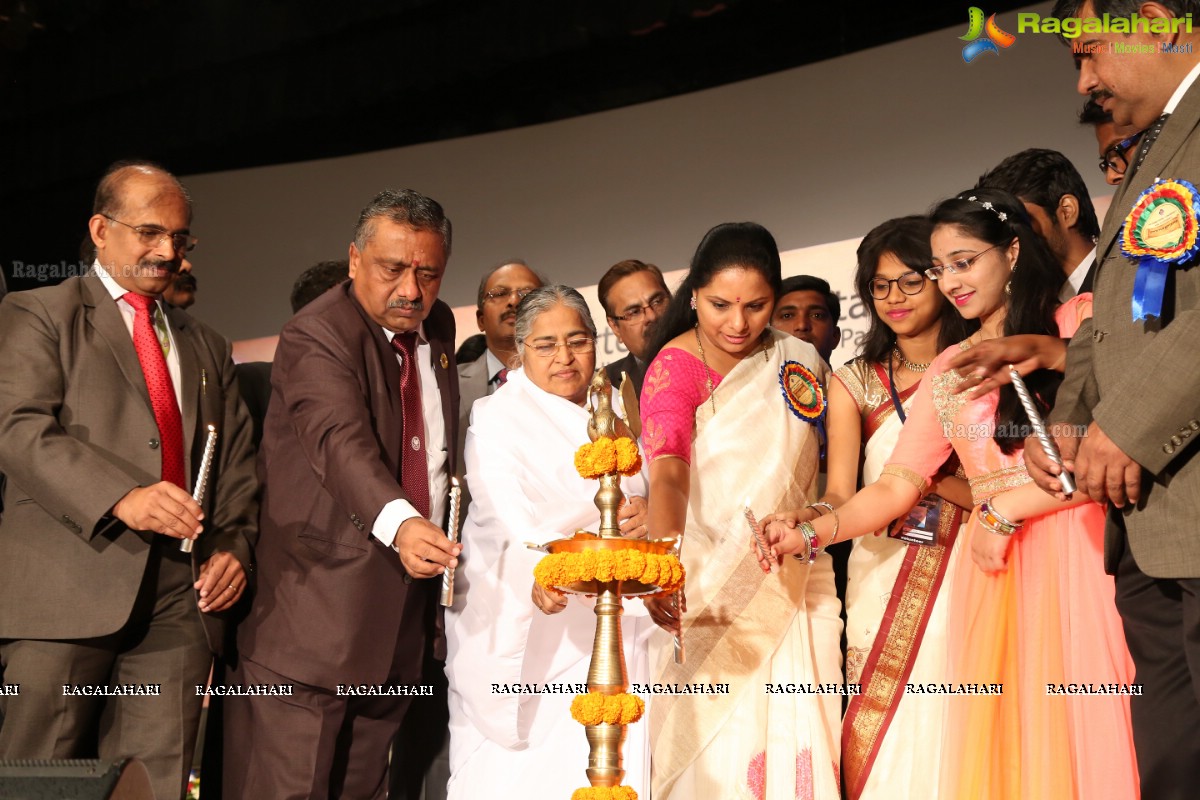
708,381
908,365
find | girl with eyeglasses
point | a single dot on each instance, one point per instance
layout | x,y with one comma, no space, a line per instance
1031,614
885,738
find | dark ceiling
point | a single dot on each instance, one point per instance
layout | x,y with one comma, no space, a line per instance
206,85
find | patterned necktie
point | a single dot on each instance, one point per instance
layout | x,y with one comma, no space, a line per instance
158,383
1149,139
502,376
414,469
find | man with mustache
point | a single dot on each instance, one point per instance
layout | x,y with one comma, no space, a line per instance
633,295
105,397
1131,380
355,465
182,291
500,290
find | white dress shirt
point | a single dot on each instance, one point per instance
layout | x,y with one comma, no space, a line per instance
399,511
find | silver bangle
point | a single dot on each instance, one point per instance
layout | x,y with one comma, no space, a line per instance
837,523
810,539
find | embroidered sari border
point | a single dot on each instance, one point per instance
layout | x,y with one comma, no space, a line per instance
894,651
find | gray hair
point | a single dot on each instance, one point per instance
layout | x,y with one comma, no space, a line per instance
404,207
541,300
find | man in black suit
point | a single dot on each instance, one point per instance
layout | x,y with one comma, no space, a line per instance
633,295
1060,210
356,458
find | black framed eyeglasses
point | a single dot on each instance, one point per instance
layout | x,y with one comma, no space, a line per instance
637,312
909,283
578,345
150,236
503,293
1114,157
959,265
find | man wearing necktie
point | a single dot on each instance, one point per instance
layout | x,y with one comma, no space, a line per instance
356,457
1131,381
105,398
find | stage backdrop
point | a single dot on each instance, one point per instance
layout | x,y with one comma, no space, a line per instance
819,154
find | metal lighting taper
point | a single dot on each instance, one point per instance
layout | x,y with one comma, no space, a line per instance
452,532
1039,429
210,447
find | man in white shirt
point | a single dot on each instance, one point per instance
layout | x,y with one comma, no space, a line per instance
355,465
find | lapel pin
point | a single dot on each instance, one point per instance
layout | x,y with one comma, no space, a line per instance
445,362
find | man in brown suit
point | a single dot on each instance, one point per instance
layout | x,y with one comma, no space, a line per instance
1134,385
356,457
94,591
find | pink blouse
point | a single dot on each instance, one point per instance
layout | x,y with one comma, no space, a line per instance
674,388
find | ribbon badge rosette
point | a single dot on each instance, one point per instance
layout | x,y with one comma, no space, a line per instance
1160,231
804,395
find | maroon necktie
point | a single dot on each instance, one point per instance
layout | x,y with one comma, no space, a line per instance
502,376
414,469
162,391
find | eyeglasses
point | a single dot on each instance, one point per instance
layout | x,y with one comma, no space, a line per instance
909,283
634,314
961,265
150,236
578,346
503,293
1114,157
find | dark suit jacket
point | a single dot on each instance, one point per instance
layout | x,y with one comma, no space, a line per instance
331,596
472,385
77,432
1138,380
629,366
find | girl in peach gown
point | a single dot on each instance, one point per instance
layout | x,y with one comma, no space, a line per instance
1032,619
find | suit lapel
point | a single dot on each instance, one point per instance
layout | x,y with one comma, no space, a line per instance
1175,132
104,316
192,402
441,343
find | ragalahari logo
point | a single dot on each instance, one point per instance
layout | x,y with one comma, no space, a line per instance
993,37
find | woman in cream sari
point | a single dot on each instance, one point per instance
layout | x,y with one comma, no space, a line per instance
731,415
505,634
897,589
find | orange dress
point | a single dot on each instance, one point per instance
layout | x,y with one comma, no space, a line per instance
1045,631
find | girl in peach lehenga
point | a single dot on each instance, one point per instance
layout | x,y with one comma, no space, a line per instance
1031,612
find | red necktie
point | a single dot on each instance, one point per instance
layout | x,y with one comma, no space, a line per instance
502,376
162,391
414,469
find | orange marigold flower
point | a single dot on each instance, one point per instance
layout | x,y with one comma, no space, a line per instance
604,793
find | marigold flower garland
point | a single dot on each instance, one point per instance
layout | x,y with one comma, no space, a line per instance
652,569
604,793
594,708
606,456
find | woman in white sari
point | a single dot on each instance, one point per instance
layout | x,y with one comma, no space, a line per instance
897,589
731,414
516,652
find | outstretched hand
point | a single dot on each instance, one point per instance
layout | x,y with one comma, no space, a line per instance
780,536
984,367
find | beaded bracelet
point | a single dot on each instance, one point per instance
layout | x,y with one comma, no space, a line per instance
837,523
996,522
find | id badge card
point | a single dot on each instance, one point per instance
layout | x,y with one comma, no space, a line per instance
921,524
